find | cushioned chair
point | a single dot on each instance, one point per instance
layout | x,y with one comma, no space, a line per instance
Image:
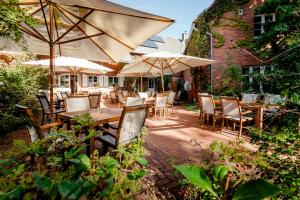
170,100
143,95
121,99
177,97
149,93
130,126
95,100
160,105
249,98
113,97
46,108
208,108
36,131
231,110
77,104
125,93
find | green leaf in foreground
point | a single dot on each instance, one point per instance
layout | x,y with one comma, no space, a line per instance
197,177
255,190
220,172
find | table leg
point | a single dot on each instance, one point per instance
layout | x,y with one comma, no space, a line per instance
260,118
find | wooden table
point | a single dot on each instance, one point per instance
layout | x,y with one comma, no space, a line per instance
78,95
258,108
101,116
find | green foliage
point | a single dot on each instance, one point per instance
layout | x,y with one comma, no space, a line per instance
253,189
192,107
281,147
55,168
11,15
19,84
219,39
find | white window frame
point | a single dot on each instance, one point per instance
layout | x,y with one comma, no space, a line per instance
93,83
69,80
113,81
263,21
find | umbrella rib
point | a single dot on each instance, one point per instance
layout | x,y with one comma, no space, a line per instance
45,20
151,64
74,25
25,30
36,32
184,64
80,38
55,23
98,29
95,43
28,3
37,10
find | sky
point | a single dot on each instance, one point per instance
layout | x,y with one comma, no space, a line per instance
183,11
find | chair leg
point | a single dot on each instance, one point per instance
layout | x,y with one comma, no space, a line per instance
227,123
222,126
43,119
234,124
241,128
214,120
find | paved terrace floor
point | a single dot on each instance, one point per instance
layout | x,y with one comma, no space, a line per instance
169,143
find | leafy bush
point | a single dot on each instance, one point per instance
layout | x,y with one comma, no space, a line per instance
55,168
281,147
19,84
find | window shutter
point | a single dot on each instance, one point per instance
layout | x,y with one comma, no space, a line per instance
84,80
105,81
121,81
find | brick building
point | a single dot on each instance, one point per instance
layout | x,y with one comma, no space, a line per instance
231,35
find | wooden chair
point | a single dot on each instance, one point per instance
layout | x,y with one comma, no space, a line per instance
77,104
153,94
170,101
46,108
231,110
274,99
134,101
113,97
149,93
143,95
121,99
208,108
125,93
129,128
95,100
160,105
249,98
200,104
36,131
177,97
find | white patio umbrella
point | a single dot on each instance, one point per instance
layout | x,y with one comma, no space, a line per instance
72,65
164,63
98,29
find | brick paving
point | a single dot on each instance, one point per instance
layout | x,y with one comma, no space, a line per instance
169,143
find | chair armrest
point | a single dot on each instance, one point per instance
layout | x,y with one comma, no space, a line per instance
247,112
52,125
108,131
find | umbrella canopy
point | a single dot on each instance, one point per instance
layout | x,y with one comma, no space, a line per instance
72,65
107,31
164,63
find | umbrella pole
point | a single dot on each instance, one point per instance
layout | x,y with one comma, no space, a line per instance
141,83
162,81
51,45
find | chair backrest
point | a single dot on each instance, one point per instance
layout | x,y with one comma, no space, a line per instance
202,93
207,103
149,93
59,96
44,103
178,94
125,93
274,99
134,101
249,98
112,95
64,95
143,95
230,106
131,123
171,97
95,99
120,97
161,101
77,104
153,94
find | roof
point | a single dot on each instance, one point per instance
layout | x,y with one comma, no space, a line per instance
155,44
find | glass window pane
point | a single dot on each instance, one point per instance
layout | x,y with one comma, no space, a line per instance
257,19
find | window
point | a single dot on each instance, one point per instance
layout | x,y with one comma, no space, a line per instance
64,80
151,83
260,21
252,76
113,81
93,81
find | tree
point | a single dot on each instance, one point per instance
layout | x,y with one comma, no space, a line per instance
11,16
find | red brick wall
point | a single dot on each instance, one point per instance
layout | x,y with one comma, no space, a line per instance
231,35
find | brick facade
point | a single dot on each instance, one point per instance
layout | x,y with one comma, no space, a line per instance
231,35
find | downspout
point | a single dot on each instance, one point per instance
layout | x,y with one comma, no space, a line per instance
211,57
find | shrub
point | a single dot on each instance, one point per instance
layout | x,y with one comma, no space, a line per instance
19,84
55,168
